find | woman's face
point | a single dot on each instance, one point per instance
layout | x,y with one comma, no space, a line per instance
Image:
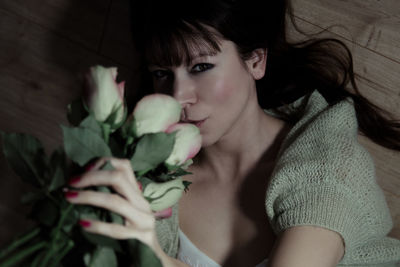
213,90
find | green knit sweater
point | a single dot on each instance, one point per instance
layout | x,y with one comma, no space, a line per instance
323,177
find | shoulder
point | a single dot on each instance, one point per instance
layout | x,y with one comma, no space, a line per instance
324,177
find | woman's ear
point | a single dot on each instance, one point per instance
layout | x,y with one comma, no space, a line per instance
257,63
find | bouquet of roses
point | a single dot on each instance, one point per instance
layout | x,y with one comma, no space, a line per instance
159,149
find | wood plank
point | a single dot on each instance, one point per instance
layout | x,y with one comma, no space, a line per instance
80,21
367,64
387,161
386,165
394,205
371,24
117,43
40,75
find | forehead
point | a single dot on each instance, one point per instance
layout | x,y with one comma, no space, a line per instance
182,47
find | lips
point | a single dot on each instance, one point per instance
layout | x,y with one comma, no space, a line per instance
198,123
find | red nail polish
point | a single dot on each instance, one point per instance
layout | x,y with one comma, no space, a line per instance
84,223
71,194
140,186
74,180
90,166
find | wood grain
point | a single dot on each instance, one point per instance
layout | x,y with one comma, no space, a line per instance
79,21
368,64
117,42
371,24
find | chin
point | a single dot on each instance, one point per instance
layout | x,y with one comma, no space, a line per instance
207,141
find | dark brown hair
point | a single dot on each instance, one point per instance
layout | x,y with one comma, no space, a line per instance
168,32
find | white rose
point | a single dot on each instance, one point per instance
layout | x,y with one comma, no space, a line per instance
164,195
104,95
155,113
187,143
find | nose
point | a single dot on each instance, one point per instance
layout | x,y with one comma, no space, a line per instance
184,90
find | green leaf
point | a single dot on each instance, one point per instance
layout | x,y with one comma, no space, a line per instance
116,218
177,172
58,179
57,259
151,150
45,212
70,221
90,212
30,197
103,257
128,129
142,255
76,112
186,184
58,166
116,148
82,145
91,123
26,156
102,240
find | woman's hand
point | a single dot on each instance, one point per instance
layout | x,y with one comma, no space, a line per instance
127,201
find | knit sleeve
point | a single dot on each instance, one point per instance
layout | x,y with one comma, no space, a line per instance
325,178
167,233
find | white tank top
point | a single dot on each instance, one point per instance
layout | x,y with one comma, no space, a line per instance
191,255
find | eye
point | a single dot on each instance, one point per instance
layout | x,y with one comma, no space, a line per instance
201,67
159,74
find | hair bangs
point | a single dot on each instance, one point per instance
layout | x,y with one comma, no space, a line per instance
173,46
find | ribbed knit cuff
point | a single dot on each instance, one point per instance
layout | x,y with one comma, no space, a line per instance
324,206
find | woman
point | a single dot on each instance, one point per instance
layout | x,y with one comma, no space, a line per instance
281,179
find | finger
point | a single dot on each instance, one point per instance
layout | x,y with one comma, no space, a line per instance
115,179
114,203
124,165
116,231
163,214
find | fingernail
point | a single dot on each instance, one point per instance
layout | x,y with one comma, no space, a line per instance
71,194
140,186
84,223
90,166
74,180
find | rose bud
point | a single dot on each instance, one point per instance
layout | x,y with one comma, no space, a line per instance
163,195
103,95
155,113
187,143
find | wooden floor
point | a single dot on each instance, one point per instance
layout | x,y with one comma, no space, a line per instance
46,44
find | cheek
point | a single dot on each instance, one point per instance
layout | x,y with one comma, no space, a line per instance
223,90
219,89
